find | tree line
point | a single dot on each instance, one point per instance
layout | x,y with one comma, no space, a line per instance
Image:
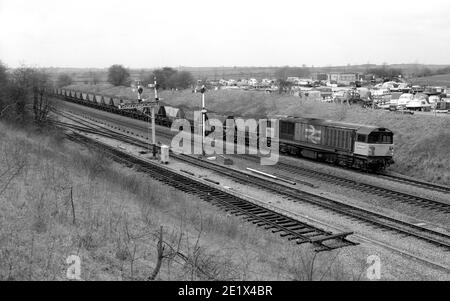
118,75
385,72
24,94
428,72
169,78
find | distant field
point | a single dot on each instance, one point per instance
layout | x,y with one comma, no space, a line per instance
435,80
421,141
81,75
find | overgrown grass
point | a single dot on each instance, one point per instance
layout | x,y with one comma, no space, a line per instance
66,200
434,80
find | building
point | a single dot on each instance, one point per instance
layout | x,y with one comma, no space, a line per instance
297,81
320,77
343,78
293,80
252,82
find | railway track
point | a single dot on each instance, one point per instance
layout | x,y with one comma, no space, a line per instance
403,196
414,182
286,227
363,215
368,188
398,196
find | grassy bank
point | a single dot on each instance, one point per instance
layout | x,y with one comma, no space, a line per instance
58,199
422,142
434,80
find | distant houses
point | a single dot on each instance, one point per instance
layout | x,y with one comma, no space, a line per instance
247,83
340,79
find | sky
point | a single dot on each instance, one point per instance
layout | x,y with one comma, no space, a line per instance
200,33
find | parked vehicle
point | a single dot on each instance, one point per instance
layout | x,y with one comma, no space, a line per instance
419,103
443,106
402,101
434,100
418,89
325,92
404,88
351,96
434,91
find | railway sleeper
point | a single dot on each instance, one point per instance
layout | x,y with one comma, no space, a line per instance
260,224
270,227
252,220
249,208
287,234
301,240
278,230
256,211
275,218
292,224
239,213
305,231
298,228
287,221
267,216
340,236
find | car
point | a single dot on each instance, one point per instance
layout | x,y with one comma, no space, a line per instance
418,89
402,101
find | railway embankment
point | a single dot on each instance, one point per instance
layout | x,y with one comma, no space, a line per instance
59,200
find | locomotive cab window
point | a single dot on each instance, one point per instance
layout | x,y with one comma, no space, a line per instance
381,138
361,138
287,127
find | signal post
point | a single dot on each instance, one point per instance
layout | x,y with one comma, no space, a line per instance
142,104
204,111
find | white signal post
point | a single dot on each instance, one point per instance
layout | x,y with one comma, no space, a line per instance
203,90
153,113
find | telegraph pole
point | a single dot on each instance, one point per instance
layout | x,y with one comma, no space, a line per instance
203,90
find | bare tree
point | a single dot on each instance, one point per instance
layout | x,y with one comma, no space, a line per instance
27,87
41,104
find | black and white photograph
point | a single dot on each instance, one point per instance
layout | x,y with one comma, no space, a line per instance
218,148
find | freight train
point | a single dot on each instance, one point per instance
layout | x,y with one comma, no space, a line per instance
368,148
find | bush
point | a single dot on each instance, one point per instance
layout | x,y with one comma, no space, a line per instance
64,80
169,78
118,75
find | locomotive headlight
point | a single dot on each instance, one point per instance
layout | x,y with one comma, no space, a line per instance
391,150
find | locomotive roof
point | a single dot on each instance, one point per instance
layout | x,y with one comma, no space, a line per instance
361,128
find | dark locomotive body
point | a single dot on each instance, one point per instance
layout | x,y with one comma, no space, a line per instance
351,145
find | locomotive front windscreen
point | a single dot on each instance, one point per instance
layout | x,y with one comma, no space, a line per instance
381,138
